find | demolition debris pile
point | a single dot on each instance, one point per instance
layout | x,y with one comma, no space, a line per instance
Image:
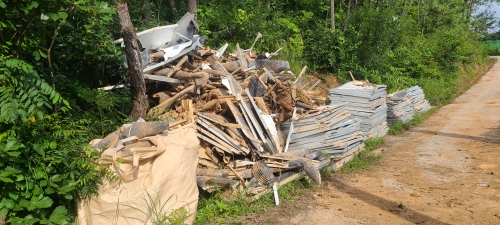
404,104
256,123
366,102
256,126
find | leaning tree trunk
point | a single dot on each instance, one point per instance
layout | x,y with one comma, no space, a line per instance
192,7
134,71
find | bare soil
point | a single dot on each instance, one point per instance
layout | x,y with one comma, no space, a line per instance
445,171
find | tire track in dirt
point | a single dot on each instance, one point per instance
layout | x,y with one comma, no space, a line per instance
445,171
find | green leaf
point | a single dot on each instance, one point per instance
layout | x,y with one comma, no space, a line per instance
53,145
49,190
6,179
63,15
56,98
38,148
8,203
24,203
59,215
39,174
69,187
84,8
13,153
13,195
4,211
56,178
45,202
37,190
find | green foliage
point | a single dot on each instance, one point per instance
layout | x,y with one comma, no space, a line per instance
22,92
373,143
52,47
39,183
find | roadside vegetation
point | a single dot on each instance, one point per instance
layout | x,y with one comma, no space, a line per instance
55,54
216,208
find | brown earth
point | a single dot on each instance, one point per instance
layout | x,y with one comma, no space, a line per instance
445,171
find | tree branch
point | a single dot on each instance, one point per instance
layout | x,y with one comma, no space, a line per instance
25,29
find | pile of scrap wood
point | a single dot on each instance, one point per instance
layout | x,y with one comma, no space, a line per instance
366,102
237,102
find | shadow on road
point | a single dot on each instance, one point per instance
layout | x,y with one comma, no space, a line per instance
395,208
474,138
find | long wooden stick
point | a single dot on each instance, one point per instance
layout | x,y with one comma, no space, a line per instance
238,175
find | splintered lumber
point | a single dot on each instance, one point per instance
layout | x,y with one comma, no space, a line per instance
215,72
215,140
181,75
212,173
221,135
178,66
159,109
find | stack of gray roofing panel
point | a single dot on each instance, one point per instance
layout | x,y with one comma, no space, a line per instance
367,103
330,129
399,107
417,97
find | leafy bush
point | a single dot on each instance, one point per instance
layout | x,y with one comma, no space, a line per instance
44,167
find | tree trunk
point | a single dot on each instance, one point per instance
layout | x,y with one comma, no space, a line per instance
332,13
134,71
344,24
147,10
192,7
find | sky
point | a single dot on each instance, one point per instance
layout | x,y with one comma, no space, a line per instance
494,7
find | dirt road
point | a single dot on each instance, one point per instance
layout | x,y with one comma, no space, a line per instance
445,171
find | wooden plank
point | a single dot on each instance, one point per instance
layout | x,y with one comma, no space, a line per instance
220,143
178,66
222,135
163,79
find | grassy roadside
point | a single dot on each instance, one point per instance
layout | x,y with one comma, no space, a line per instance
400,127
212,209
364,159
